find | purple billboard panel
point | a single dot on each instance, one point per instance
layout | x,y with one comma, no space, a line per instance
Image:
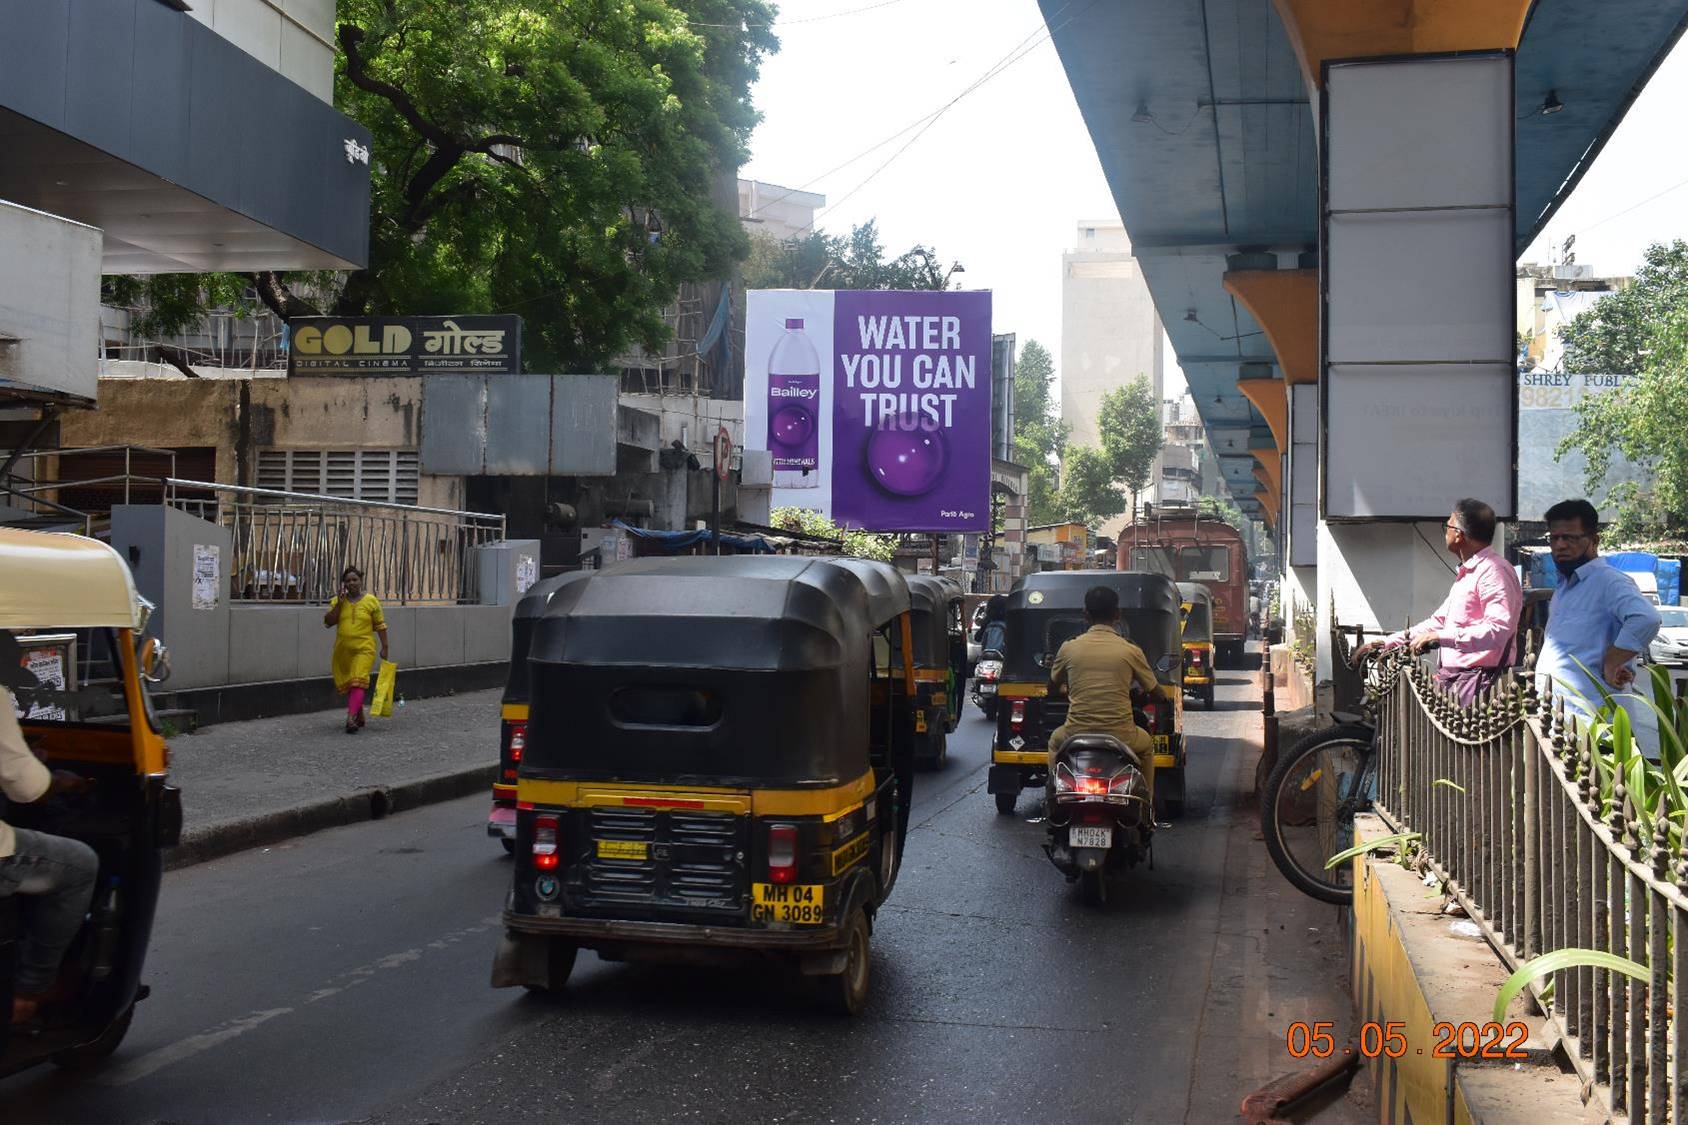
911,418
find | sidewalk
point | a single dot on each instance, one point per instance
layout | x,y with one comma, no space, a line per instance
250,784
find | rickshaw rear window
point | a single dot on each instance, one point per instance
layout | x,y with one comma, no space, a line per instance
664,705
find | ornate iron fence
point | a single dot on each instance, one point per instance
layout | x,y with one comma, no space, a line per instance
291,546
1541,856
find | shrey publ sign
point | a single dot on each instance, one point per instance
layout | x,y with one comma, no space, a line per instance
875,406
404,345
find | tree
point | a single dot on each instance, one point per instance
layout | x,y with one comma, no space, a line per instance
559,161
859,544
1646,421
1090,491
1220,508
818,260
1132,435
1615,336
1040,437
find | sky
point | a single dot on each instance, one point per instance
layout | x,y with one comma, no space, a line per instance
1001,180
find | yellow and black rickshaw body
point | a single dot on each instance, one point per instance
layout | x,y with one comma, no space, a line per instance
718,764
1044,611
934,611
1199,674
70,605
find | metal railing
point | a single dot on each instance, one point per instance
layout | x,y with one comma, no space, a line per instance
1515,822
293,546
34,493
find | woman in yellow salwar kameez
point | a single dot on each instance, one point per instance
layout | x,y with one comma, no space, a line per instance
357,619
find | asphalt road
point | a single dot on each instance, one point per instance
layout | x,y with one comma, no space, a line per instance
343,977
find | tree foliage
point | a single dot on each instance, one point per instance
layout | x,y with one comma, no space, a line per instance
1615,337
1646,421
1040,437
1220,508
566,162
818,260
860,544
1132,434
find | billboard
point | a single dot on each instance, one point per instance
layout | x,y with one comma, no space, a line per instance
875,406
404,345
1547,415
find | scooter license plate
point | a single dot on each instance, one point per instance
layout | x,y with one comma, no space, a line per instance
1089,836
986,689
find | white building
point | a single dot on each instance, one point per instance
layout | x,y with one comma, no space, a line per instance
779,212
1110,332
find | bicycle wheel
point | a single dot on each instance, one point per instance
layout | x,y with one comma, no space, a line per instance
1307,808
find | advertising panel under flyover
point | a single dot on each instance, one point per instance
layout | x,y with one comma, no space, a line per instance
874,405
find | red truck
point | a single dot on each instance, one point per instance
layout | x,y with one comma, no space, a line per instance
1187,547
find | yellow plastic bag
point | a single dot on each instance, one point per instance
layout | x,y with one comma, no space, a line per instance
382,706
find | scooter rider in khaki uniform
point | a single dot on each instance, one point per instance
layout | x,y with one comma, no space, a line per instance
1097,668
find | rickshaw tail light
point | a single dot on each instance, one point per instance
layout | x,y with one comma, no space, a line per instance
1017,714
782,853
545,842
518,740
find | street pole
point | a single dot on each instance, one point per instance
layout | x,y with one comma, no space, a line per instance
935,552
715,512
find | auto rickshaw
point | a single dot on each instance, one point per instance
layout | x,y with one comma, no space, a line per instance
718,767
938,690
1198,641
513,710
79,685
1046,610
955,603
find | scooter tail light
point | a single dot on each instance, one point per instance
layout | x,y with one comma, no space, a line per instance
782,853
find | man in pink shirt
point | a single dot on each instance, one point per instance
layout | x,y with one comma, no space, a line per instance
1477,623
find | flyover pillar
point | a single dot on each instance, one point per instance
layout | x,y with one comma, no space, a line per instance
1415,397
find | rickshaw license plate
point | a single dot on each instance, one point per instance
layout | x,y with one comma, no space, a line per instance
1163,744
1088,836
802,903
623,849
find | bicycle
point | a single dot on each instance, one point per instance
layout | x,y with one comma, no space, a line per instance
1310,799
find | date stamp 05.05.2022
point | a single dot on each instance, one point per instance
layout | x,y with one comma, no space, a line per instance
1390,1040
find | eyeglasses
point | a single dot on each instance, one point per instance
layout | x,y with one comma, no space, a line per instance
1568,537
1454,527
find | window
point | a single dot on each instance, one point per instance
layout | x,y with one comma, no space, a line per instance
658,705
389,475
1204,564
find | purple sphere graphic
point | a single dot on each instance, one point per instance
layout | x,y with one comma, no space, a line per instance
906,462
793,425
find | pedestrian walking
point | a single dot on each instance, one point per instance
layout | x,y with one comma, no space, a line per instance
1477,625
356,617
1598,624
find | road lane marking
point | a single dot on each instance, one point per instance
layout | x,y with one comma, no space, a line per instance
144,1066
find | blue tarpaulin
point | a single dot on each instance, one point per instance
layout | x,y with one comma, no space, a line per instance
674,542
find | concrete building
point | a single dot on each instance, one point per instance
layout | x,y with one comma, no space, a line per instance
779,212
131,149
1110,331
1549,298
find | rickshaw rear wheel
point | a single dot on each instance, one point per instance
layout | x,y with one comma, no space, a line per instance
509,846
91,1055
1005,803
845,993
1207,697
559,963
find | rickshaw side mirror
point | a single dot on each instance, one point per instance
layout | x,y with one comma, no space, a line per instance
154,661
143,613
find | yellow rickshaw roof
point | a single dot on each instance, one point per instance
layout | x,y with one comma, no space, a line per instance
52,580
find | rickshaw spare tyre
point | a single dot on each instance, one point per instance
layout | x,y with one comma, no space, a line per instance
845,993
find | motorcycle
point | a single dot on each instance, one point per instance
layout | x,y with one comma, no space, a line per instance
1098,817
986,675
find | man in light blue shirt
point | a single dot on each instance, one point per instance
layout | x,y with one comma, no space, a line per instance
1598,619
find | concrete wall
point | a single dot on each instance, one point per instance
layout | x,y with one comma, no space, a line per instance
690,419
49,301
251,642
293,37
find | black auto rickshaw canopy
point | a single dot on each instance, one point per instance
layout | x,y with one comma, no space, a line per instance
1046,610
930,602
1198,623
738,670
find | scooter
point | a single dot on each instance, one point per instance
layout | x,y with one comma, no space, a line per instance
986,675
1099,820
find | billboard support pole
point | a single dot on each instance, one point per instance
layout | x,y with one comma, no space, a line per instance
715,513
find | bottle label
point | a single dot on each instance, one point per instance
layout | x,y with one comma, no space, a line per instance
794,421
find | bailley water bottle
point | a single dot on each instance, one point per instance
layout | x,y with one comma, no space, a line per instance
794,400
